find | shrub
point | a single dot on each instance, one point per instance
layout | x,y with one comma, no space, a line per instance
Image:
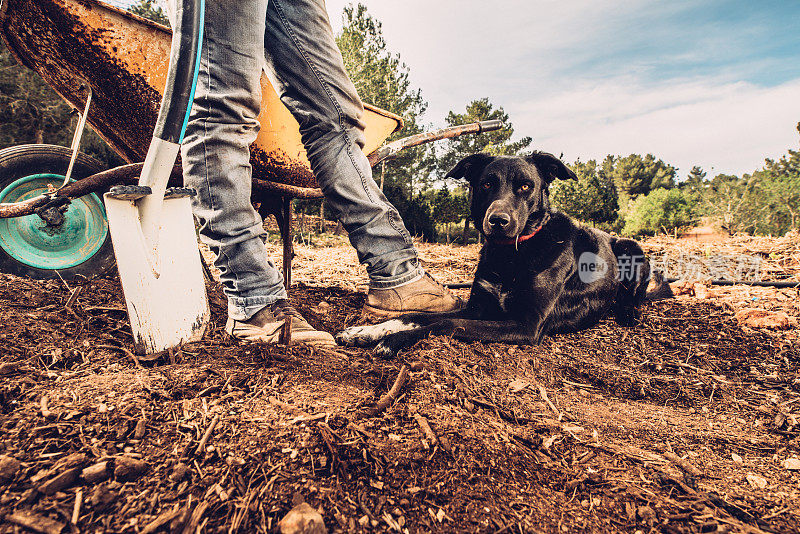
665,209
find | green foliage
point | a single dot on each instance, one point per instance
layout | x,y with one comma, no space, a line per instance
149,9
766,202
498,142
778,185
661,209
635,175
695,182
32,112
450,207
416,212
592,198
382,80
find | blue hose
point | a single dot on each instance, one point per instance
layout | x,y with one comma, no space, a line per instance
184,67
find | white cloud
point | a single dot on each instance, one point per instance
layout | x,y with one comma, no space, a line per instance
727,127
568,75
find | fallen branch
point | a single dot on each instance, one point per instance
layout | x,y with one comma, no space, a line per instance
44,405
128,353
194,519
391,395
76,509
37,523
546,399
73,296
683,464
204,440
430,434
9,368
426,429
161,520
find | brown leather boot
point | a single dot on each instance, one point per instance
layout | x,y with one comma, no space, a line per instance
266,325
425,295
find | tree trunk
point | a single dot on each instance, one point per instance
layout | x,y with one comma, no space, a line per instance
339,228
465,235
39,137
322,217
447,231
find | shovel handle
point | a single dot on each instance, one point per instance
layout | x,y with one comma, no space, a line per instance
184,66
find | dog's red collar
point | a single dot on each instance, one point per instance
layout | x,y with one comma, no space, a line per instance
517,240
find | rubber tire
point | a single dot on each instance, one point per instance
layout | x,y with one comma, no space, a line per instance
24,160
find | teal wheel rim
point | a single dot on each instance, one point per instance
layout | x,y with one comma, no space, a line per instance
31,242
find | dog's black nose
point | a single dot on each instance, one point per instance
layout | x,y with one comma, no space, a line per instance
499,219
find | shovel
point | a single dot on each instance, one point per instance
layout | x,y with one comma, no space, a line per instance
152,228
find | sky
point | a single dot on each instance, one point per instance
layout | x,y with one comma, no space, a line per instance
712,83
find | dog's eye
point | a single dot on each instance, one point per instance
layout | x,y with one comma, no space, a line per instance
487,185
524,187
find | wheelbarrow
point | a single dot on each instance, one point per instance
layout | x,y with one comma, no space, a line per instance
111,66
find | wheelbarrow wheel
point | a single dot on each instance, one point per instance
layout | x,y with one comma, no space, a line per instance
79,246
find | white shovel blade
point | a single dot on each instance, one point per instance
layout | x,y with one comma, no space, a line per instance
169,307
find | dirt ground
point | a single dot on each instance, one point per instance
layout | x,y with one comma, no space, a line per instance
686,423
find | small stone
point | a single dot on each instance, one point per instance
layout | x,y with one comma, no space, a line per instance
646,513
758,482
9,466
179,472
127,469
303,519
141,427
102,497
792,464
516,386
737,459
700,291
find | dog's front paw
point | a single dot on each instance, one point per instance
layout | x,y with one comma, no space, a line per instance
354,336
365,336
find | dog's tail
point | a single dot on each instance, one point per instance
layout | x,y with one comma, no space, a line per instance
661,289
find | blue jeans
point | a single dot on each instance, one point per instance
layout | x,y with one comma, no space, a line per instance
305,67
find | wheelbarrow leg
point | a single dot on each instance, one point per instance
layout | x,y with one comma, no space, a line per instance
288,254
286,237
281,209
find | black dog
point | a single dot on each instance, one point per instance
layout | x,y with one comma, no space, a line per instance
539,272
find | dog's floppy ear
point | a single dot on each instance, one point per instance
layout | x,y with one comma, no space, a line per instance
550,167
470,167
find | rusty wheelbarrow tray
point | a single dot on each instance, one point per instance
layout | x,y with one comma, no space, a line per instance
86,47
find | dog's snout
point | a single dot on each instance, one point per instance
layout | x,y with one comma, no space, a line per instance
499,219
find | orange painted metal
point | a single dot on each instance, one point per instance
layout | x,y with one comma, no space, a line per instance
73,44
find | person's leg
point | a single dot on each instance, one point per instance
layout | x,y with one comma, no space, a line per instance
306,68
216,163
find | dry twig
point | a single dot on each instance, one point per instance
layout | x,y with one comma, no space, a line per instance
391,395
